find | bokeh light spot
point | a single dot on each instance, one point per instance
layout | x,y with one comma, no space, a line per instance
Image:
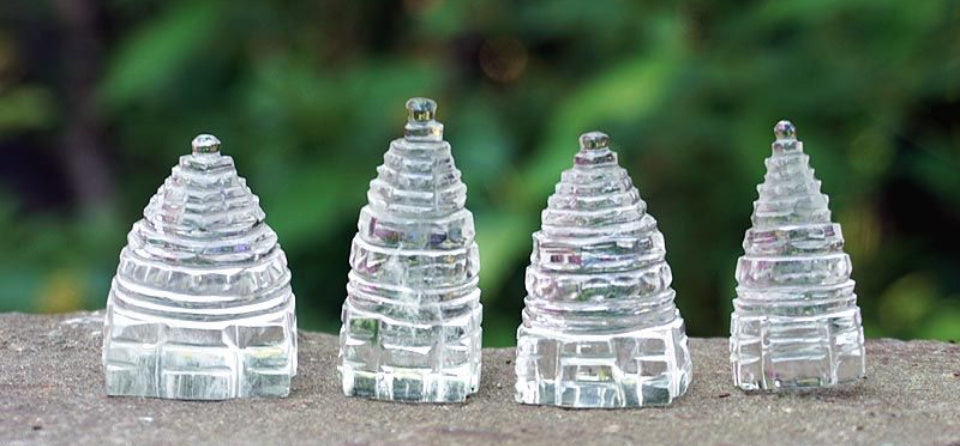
503,59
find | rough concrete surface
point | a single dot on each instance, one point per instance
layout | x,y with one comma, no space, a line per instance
51,392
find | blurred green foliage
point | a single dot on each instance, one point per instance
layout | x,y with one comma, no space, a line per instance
306,96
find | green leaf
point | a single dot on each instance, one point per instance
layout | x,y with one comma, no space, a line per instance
159,51
906,302
314,204
27,107
942,324
501,237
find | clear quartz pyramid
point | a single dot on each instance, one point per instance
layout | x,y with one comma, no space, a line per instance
411,321
600,328
201,306
795,323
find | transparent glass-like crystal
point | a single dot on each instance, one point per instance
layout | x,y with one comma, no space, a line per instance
411,321
201,306
795,323
600,328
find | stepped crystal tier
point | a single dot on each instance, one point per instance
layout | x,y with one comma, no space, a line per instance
201,306
795,323
600,328
411,320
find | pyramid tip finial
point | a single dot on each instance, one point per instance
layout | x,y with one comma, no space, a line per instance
785,130
422,124
594,141
206,143
421,109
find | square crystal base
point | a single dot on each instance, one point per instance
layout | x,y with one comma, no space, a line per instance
408,385
791,352
389,359
162,360
648,367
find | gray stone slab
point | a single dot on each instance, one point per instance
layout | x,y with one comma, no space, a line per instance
51,392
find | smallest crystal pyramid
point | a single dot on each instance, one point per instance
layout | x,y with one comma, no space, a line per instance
600,328
201,306
795,323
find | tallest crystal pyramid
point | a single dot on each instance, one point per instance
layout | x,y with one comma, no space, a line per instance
795,323
411,321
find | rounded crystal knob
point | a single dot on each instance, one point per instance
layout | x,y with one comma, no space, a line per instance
421,109
206,143
594,141
785,130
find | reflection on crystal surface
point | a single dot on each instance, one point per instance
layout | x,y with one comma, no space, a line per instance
411,321
600,328
795,323
201,306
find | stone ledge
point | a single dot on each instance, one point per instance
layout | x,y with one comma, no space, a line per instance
51,394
